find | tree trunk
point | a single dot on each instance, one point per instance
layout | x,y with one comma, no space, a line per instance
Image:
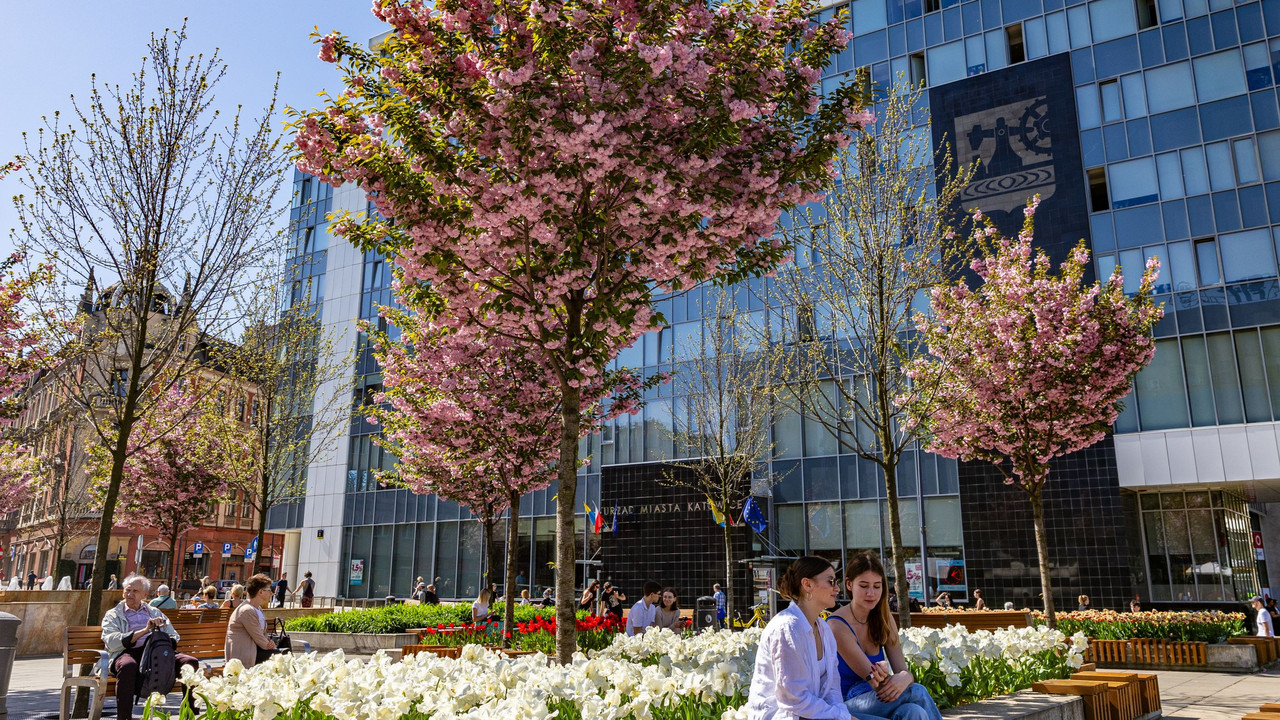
490,575
900,584
106,523
173,562
728,569
1042,550
566,536
513,528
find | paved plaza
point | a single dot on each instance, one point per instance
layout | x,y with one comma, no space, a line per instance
33,692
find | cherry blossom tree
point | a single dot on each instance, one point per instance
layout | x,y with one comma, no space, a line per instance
547,165
1031,365
23,352
186,457
472,419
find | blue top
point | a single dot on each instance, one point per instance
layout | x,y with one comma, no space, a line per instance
850,683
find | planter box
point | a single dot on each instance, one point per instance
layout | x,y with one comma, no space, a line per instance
357,643
1022,705
1215,657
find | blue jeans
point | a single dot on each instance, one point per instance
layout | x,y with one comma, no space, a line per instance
913,704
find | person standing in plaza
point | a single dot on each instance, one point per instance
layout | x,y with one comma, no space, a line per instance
308,589
430,597
795,672
1082,603
613,599
1266,626
979,603
644,612
722,605
31,580
111,584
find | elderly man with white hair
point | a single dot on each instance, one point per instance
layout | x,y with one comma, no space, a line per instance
125,628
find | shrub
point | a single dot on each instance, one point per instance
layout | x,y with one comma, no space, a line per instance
399,618
1211,627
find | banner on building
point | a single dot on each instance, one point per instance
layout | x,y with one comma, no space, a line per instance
949,573
356,576
1019,125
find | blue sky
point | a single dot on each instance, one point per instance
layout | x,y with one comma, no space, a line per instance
49,50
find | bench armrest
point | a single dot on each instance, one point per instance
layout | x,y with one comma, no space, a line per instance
306,647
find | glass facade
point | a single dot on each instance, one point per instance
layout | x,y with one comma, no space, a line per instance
1179,143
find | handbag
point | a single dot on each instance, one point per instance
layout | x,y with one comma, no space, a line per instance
280,637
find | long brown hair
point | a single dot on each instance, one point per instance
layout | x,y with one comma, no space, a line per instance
879,621
809,566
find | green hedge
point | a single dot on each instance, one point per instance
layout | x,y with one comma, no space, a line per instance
398,618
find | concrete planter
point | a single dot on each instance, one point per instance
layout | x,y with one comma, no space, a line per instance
1022,705
358,643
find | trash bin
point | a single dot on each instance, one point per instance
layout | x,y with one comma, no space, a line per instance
8,648
704,613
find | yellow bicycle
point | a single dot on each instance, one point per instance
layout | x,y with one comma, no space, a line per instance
759,616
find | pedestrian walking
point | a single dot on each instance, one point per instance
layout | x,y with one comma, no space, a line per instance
722,605
31,580
307,588
1266,626
111,584
282,589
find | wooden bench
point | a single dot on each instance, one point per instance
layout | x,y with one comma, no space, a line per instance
82,645
973,620
1103,699
1095,696
1148,686
1268,649
183,616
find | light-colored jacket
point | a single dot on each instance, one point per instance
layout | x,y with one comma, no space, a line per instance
790,681
245,635
115,627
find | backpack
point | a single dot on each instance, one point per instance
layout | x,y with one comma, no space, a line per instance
157,671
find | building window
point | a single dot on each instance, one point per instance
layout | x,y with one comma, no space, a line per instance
1146,14
1099,199
918,75
1017,51
1207,262
1112,105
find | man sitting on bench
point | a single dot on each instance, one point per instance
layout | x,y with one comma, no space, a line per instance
125,628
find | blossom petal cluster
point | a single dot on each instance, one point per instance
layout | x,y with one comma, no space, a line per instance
1032,364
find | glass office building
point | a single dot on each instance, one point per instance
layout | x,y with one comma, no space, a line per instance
1149,127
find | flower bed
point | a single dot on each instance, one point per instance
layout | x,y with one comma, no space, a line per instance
1210,627
399,618
658,675
537,634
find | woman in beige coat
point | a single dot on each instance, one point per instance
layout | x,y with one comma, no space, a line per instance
247,629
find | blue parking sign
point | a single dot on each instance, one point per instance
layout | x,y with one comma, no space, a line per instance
197,549
226,549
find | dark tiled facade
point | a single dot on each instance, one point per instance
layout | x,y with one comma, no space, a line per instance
665,533
1085,522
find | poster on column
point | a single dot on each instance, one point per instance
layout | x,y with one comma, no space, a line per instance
915,580
356,576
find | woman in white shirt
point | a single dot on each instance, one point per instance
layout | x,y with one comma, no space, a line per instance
796,674
480,608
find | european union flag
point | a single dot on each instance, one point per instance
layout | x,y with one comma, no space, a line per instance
752,515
